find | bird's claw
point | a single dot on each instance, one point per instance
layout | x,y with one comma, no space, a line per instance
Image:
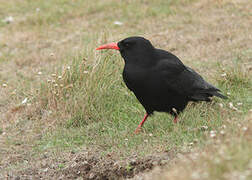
138,129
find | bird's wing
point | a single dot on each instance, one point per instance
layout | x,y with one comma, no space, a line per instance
186,81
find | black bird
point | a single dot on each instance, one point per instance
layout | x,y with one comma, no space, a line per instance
159,80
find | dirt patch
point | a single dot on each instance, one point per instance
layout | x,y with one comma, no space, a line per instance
90,166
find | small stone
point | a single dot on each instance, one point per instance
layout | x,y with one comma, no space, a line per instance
55,85
48,80
228,93
222,132
145,140
85,72
244,128
239,104
4,85
53,75
39,73
221,105
68,67
150,134
52,54
59,77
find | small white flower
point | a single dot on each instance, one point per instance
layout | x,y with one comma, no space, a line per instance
48,80
239,104
228,93
55,85
37,9
24,101
4,85
150,134
126,139
68,67
145,140
221,105
59,77
212,132
8,19
39,73
204,127
118,23
212,135
224,74
231,106
222,132
244,128
190,144
85,72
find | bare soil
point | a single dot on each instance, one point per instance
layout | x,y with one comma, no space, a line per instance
88,165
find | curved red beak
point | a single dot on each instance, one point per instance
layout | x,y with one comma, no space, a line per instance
109,46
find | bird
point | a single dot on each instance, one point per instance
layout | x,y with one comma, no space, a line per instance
159,79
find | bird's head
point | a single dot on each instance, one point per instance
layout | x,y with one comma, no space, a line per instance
133,49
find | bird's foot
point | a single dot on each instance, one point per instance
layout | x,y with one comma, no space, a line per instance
138,129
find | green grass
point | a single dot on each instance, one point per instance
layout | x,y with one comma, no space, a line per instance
87,105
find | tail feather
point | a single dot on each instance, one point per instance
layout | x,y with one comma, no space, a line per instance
205,96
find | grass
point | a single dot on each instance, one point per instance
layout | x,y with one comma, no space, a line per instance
77,98
230,157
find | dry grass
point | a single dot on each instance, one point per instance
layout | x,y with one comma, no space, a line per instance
227,156
63,112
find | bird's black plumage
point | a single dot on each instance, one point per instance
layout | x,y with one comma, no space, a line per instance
159,80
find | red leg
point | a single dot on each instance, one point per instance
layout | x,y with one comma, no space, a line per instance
175,119
141,124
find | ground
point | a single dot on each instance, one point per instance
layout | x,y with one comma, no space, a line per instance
66,114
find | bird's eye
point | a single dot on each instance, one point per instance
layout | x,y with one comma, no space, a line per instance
127,44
